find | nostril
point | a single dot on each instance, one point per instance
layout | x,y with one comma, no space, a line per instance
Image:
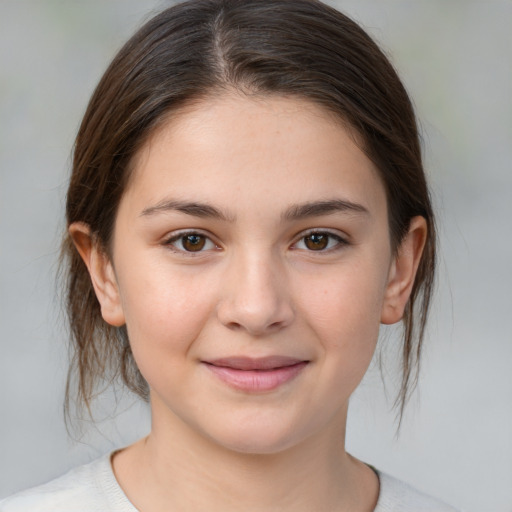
234,326
255,312
254,330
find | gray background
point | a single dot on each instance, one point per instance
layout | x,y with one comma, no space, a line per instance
455,57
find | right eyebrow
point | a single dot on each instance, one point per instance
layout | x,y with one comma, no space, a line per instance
192,208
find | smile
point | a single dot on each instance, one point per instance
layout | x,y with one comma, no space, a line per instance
256,375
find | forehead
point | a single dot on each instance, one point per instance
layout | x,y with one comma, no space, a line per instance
239,149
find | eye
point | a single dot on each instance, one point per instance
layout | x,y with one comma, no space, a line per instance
319,241
191,242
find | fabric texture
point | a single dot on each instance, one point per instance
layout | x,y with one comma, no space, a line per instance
94,488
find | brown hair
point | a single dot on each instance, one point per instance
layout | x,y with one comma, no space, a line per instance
202,47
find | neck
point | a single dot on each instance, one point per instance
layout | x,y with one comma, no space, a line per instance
175,467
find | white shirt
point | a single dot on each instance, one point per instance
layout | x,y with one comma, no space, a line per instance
94,488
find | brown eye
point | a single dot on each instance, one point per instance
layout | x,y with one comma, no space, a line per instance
316,241
321,242
193,243
190,243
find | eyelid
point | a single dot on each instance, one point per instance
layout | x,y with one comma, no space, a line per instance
342,240
169,239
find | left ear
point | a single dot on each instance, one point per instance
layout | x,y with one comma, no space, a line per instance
402,272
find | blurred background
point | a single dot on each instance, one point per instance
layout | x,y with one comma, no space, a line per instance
455,57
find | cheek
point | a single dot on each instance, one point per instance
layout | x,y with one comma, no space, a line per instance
165,312
343,310
348,300
347,325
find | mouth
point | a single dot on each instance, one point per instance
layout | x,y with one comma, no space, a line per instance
256,374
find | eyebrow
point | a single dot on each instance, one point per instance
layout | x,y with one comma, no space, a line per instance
318,208
293,212
192,208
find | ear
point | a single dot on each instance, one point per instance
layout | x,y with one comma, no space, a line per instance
101,271
402,272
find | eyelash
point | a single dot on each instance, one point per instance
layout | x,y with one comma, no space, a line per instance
209,244
339,241
181,236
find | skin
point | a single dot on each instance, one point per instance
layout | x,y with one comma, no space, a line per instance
258,287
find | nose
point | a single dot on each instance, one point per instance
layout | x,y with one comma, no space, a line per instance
256,298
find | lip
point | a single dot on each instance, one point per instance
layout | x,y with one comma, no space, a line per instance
256,374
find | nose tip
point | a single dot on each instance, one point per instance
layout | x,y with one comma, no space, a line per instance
256,301
256,325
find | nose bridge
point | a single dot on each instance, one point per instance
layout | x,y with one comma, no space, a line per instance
256,298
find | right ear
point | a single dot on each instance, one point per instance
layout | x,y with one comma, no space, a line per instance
101,271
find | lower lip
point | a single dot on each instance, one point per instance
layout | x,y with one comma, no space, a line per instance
256,380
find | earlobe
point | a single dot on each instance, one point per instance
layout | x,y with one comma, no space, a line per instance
403,270
101,272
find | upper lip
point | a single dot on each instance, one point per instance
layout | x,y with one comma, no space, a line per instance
258,363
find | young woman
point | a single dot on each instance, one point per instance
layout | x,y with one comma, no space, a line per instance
247,206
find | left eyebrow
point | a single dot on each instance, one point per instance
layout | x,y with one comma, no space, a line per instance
318,208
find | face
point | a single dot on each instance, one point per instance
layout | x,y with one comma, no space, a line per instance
252,266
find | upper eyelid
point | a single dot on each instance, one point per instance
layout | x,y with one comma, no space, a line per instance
169,240
327,231
341,239
175,235
344,238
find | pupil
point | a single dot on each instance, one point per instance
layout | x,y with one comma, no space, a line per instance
316,241
193,242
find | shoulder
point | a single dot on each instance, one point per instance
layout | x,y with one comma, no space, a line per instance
397,496
91,488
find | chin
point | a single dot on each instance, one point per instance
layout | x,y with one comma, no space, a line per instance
258,438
